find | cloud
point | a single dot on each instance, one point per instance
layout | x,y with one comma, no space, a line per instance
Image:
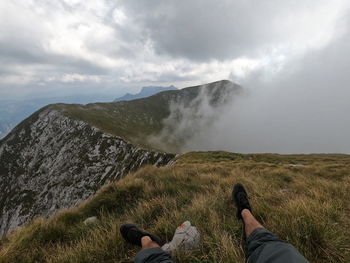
69,78
192,112
204,30
35,53
132,43
302,109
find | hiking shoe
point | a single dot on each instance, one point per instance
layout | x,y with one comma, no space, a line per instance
240,198
132,234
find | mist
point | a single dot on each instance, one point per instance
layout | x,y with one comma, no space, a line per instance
302,108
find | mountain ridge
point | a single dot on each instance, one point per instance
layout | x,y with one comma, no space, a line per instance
63,153
13,111
134,120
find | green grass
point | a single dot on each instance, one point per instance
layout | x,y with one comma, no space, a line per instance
305,205
132,120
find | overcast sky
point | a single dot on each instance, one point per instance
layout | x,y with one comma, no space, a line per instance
86,46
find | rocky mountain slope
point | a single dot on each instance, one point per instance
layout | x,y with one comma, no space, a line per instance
64,153
52,162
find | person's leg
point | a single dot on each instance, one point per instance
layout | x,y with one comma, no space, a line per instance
250,223
149,243
262,245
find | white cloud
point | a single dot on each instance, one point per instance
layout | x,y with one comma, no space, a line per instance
119,16
71,78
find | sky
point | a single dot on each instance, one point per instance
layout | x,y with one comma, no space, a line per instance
62,47
292,58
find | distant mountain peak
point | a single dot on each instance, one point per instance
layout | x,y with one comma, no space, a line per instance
145,92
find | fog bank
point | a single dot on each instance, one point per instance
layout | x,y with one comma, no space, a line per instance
303,108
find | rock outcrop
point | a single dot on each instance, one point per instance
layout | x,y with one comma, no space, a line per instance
51,161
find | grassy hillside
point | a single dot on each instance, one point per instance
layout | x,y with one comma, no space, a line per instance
131,120
302,198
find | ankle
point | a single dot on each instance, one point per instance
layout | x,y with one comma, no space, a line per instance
147,242
245,212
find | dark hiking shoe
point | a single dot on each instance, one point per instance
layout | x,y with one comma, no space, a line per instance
133,235
240,198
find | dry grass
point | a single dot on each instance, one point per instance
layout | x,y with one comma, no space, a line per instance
305,205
